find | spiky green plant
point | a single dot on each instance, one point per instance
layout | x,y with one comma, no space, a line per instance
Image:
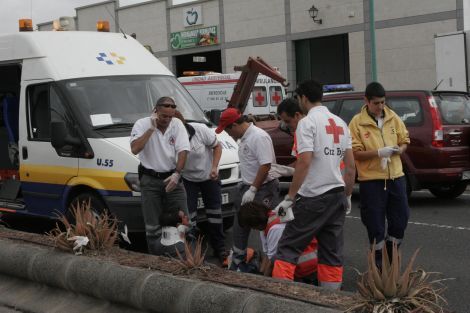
193,258
101,230
390,291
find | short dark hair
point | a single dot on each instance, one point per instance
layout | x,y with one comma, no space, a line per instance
170,218
253,214
290,106
312,89
374,89
164,99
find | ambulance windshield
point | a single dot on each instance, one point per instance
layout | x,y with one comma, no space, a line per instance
119,101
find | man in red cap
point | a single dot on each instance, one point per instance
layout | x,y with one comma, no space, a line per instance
256,154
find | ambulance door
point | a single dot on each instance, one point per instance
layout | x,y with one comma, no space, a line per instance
44,170
259,101
275,97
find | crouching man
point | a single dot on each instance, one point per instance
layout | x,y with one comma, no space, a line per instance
262,218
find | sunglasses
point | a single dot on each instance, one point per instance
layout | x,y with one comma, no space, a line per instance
167,105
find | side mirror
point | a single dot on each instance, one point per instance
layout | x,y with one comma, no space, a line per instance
214,116
60,136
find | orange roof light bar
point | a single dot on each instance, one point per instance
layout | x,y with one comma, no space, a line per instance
26,25
102,26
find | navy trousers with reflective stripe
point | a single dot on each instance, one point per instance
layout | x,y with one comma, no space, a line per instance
384,201
211,196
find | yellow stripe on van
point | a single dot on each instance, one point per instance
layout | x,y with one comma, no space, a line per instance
47,174
100,179
61,175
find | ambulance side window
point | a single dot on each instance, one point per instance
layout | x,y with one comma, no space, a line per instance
44,106
259,97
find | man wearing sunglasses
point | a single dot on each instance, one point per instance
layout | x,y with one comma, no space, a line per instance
162,144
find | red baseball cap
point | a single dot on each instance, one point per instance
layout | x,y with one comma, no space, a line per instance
228,116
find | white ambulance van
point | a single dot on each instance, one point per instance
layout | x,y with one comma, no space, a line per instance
213,91
68,101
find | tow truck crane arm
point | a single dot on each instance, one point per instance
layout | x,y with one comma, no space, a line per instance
247,80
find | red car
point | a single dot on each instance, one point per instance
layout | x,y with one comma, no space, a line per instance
438,157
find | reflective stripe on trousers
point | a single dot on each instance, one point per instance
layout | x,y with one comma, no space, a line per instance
330,277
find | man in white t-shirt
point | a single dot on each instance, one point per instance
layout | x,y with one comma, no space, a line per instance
201,179
162,144
256,154
318,195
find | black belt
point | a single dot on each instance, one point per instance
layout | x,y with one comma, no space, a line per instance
150,172
334,190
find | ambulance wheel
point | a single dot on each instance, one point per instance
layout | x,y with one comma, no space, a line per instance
97,205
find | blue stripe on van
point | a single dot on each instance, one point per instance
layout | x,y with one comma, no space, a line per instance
49,199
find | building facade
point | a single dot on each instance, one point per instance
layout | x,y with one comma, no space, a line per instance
216,35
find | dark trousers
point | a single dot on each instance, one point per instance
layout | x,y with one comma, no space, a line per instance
155,200
211,196
384,201
321,217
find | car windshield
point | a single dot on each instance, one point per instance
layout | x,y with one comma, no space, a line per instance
455,109
110,103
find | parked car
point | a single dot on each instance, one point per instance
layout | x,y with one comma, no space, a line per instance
438,157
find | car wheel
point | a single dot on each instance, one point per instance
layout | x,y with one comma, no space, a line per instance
449,191
97,206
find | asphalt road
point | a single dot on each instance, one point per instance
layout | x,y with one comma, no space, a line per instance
440,228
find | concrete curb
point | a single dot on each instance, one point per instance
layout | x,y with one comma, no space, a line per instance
42,274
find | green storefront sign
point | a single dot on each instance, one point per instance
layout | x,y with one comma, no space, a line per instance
200,37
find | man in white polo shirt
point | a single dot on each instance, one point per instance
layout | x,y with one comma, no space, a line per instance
256,154
162,144
318,195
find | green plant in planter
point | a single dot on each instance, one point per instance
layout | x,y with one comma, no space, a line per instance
390,291
193,258
87,231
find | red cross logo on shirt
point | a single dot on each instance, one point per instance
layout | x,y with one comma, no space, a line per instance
334,130
276,98
259,98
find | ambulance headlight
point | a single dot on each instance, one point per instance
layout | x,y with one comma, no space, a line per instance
132,181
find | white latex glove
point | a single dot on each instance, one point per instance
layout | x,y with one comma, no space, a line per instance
384,162
79,244
153,120
249,195
172,181
125,236
282,170
386,152
284,210
348,209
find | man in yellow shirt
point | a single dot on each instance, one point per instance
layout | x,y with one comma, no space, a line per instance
379,137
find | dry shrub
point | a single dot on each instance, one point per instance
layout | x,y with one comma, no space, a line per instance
100,230
193,258
389,291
